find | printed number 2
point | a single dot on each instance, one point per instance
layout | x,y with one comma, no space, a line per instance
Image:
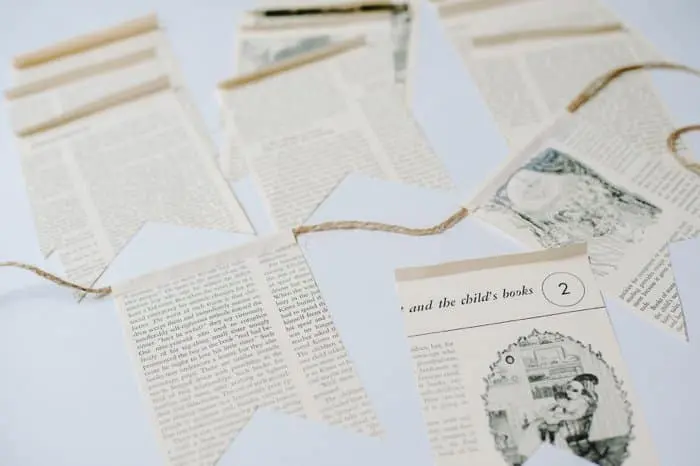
565,288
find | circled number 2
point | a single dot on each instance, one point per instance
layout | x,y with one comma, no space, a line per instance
564,288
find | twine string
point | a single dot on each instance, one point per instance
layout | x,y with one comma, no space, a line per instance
441,227
585,96
58,280
601,82
672,143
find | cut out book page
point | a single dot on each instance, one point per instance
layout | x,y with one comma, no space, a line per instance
305,124
215,339
529,59
328,62
517,351
95,65
573,184
109,142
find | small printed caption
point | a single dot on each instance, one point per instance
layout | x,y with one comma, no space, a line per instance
476,297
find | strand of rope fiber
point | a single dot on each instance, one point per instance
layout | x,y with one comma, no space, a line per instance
672,143
601,82
56,279
441,227
585,96
598,84
445,225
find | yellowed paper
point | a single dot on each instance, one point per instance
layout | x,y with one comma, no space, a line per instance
217,338
531,58
303,130
95,64
110,140
93,182
577,183
515,351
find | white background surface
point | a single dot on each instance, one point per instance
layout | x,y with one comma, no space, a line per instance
68,395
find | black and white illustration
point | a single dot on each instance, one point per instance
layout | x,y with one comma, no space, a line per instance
257,53
559,200
401,36
547,387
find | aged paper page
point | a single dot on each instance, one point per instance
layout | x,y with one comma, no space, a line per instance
217,338
573,184
371,68
97,174
318,123
93,65
531,58
515,351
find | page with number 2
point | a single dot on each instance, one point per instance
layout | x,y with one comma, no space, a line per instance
512,352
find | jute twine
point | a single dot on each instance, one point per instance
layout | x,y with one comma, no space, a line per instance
590,91
441,227
58,280
600,83
672,143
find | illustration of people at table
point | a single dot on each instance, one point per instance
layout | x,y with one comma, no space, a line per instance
571,414
549,388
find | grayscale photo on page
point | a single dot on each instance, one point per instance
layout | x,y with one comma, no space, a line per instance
576,182
263,40
517,351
